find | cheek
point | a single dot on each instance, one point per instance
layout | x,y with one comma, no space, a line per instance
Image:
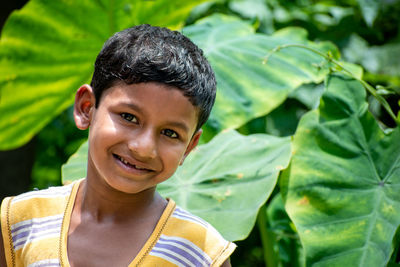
172,156
102,134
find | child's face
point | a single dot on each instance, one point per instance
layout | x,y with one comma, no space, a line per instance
139,133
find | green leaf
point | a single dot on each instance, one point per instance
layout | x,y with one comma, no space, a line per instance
247,88
225,180
288,246
230,177
308,94
48,48
76,166
342,185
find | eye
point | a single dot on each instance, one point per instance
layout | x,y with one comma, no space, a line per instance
129,117
170,133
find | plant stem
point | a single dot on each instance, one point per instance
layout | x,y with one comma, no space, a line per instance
267,239
368,87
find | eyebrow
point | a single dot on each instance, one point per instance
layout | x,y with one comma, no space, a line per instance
177,124
131,106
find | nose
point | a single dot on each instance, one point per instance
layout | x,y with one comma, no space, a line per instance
143,145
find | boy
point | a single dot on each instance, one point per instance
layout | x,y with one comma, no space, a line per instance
151,91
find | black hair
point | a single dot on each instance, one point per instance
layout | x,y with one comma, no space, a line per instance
146,53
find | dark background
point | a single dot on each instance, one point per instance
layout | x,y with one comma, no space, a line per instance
15,165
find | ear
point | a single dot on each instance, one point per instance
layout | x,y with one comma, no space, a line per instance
83,107
193,143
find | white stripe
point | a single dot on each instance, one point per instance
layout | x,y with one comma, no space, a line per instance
38,194
189,219
55,227
200,220
37,237
47,193
194,255
187,242
154,252
182,214
35,221
177,263
214,231
193,218
53,262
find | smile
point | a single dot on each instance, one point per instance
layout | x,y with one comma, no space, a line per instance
125,162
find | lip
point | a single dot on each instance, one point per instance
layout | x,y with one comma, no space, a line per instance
131,165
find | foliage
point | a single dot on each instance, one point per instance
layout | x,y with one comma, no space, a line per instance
340,190
59,41
243,49
343,180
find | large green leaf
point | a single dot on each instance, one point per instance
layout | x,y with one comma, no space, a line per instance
48,48
247,88
288,246
225,180
342,186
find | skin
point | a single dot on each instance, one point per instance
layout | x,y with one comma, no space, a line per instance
152,127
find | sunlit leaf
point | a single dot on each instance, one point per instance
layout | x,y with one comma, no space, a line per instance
342,185
48,48
247,88
225,180
230,178
76,166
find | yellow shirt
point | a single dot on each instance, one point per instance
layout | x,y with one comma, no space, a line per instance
35,231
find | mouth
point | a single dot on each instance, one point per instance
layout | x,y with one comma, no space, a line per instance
132,166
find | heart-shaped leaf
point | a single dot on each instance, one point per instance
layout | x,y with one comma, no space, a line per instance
247,87
225,180
342,187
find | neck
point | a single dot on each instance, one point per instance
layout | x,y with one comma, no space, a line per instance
98,201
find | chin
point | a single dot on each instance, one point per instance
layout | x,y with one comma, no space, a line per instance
127,186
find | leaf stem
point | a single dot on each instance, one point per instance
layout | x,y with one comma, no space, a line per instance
329,58
267,239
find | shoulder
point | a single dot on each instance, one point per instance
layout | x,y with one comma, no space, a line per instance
37,205
32,219
191,234
51,192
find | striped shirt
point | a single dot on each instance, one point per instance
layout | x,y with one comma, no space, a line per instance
35,226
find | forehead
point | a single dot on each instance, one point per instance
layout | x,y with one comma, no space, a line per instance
153,99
